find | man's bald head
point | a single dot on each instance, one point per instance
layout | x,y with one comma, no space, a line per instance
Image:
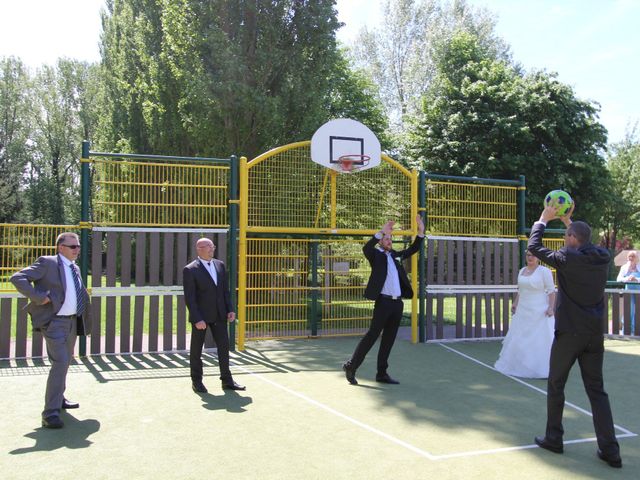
205,248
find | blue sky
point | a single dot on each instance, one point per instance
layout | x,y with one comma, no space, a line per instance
593,45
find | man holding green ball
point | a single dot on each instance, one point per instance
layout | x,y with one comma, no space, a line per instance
581,270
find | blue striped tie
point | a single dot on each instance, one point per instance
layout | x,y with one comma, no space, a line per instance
79,291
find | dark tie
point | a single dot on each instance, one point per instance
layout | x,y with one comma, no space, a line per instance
79,292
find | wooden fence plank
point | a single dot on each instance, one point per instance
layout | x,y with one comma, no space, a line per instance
181,259
21,328
96,302
154,280
125,281
110,320
167,302
6,319
140,279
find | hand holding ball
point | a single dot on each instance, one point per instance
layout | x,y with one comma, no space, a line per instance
560,199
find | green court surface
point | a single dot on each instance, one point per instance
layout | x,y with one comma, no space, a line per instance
452,416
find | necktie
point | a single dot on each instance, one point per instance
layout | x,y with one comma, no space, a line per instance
79,292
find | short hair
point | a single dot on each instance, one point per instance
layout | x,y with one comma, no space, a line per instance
63,236
580,230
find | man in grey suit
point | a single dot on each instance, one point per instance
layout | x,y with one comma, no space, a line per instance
58,307
206,294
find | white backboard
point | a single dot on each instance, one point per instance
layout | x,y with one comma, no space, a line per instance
343,136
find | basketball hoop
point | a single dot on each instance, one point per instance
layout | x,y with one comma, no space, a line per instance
352,163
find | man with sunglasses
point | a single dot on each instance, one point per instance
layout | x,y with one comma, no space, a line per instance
58,307
582,270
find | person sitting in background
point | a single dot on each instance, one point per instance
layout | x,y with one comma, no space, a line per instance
630,275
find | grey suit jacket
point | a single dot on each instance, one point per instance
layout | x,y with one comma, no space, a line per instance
46,278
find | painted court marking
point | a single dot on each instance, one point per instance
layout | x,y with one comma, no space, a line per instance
625,432
413,448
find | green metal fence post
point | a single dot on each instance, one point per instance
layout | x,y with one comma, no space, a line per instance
422,287
232,242
84,225
522,196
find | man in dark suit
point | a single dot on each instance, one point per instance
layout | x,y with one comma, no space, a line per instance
206,293
58,305
388,285
582,270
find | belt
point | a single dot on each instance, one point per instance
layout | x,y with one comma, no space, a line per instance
390,297
67,316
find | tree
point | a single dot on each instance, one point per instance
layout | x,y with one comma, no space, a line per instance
15,131
621,208
353,95
63,116
399,56
481,117
215,78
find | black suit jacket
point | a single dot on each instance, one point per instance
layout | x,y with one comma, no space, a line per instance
203,298
582,277
378,260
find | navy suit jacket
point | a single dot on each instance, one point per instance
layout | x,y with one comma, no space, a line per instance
582,276
205,300
378,260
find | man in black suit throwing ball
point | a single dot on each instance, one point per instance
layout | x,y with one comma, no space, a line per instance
581,269
388,285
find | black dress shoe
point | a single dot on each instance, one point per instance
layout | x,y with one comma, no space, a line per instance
350,373
232,386
52,421
613,460
386,379
542,442
198,387
68,404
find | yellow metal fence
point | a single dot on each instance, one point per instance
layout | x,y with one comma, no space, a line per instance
21,245
159,193
471,209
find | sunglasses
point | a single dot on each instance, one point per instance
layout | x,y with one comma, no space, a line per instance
72,247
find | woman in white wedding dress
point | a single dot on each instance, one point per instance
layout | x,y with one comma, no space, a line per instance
527,346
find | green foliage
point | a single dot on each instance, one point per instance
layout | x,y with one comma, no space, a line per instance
15,130
481,117
399,56
63,115
621,206
215,78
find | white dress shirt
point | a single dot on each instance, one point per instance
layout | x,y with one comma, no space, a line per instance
211,268
70,305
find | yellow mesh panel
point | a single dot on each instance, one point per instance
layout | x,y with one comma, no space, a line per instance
21,245
343,274
159,194
465,209
287,190
279,289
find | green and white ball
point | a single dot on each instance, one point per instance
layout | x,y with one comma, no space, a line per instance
560,199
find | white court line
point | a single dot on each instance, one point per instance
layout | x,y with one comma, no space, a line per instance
369,428
408,446
626,432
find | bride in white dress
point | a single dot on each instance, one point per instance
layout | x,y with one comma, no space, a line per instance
527,346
